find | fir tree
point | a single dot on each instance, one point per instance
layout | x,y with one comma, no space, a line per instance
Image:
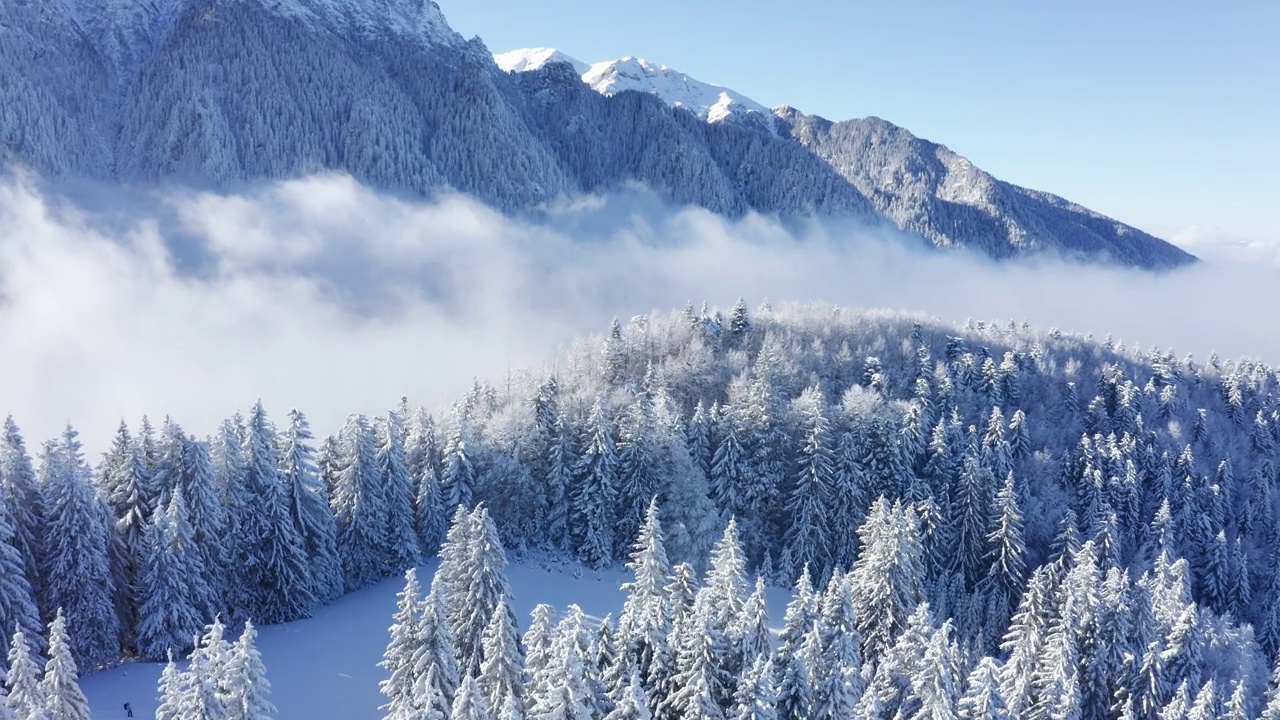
397,661
77,572
247,683
359,506
60,685
592,500
308,505
26,691
271,553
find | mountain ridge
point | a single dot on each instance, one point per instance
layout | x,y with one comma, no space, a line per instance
225,91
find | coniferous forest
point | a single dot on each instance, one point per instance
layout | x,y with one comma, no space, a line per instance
980,522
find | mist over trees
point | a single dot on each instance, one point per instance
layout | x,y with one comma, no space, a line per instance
982,517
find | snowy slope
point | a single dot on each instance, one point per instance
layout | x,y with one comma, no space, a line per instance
712,103
708,101
529,59
327,666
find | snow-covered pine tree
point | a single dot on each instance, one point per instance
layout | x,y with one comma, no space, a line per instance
482,591
247,685
77,573
502,669
459,475
308,504
172,584
808,533
209,527
60,684
271,554
757,695
565,692
887,578
401,544
22,496
359,506
26,693
561,463
17,603
592,498
435,664
982,699
170,688
397,661
429,519
644,624
470,703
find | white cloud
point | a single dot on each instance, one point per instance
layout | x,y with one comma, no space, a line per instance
325,295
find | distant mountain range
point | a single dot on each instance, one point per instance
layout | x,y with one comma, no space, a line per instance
219,92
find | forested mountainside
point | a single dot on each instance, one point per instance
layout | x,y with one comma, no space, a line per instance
1097,520
221,92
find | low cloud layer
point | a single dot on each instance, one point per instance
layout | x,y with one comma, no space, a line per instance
325,295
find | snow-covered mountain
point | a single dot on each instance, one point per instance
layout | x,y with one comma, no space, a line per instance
218,92
535,59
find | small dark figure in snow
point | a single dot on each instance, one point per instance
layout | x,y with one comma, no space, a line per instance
128,709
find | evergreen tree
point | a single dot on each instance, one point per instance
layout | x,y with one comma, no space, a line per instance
308,506
406,637
808,531
469,703
23,498
359,506
271,554
247,683
17,604
60,685
77,574
644,624
592,501
435,664
170,692
173,584
401,542
982,699
502,670
26,692
207,515
459,479
888,576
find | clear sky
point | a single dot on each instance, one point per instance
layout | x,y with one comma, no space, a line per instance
1165,115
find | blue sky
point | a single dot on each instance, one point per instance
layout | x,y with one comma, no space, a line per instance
1163,114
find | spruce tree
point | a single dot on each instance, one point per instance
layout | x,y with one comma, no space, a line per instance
397,661
26,692
60,685
401,544
502,670
172,584
359,506
77,571
22,496
644,624
271,554
247,683
592,498
808,532
308,504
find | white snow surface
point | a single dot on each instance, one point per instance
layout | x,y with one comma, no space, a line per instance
713,103
534,58
327,666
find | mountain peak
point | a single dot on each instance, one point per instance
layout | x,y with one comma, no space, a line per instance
528,59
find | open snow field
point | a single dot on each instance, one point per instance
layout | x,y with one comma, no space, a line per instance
327,666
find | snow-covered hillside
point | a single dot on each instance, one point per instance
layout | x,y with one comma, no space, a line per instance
219,93
327,666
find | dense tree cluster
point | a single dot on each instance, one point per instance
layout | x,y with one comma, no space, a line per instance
1007,500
